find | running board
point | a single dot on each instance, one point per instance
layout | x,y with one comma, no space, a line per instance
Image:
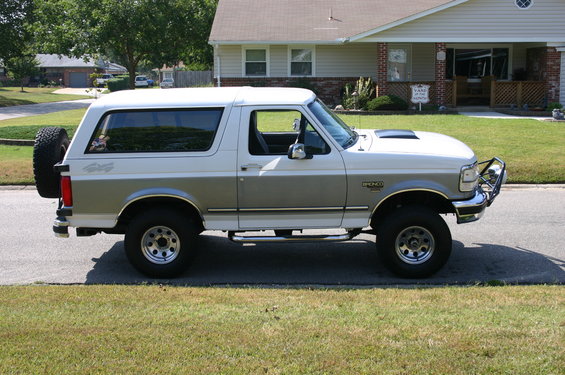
273,239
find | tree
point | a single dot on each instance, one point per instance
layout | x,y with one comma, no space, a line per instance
131,31
22,67
14,16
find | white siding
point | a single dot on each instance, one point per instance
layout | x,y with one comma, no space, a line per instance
230,61
347,60
423,62
562,85
279,61
484,20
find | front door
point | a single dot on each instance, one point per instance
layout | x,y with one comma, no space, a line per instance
277,192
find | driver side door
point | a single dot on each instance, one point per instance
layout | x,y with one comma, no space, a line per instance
275,191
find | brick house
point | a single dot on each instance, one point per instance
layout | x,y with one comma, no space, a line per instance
470,52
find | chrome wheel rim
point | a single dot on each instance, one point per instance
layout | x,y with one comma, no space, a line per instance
160,245
415,245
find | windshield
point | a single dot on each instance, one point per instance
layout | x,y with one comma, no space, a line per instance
333,124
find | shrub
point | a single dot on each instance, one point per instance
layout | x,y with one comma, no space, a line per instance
119,83
302,83
387,102
554,105
365,89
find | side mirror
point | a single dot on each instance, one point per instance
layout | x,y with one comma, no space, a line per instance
297,151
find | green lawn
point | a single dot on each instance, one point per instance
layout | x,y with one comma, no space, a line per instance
10,96
532,149
516,330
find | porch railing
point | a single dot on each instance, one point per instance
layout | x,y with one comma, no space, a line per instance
502,93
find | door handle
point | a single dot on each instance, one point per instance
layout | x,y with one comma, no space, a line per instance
248,166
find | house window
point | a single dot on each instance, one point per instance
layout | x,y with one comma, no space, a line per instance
398,63
524,4
478,62
301,62
255,62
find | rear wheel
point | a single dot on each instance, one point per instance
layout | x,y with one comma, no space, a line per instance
160,243
50,147
414,241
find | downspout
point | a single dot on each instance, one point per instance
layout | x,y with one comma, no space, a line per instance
218,66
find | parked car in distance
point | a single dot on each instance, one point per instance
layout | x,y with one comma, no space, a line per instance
150,82
101,82
167,83
141,81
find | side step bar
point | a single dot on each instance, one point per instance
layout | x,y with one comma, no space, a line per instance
301,238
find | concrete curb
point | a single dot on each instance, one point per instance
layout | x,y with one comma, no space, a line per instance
16,142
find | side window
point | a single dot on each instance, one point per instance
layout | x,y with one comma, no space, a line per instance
271,132
156,131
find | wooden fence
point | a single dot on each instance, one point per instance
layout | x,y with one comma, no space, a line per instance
193,78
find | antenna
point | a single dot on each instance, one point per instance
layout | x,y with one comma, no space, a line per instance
330,18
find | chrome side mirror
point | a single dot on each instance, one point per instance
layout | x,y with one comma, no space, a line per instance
297,151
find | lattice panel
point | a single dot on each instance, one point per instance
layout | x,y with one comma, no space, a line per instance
400,89
449,93
533,93
506,93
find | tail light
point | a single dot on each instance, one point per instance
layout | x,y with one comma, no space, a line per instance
66,191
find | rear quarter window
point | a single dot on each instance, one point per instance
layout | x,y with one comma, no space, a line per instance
156,131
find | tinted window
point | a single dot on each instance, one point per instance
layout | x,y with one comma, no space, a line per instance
156,131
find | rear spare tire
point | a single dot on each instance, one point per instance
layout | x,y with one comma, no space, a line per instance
50,147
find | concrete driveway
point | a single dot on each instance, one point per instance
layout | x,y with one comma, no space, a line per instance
42,108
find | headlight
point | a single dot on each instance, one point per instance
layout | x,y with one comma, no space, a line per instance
469,177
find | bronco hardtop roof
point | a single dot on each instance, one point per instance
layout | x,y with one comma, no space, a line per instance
205,97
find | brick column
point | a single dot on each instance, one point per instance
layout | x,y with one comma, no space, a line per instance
440,71
552,72
382,69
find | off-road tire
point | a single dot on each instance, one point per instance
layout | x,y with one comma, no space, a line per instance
50,147
414,241
161,242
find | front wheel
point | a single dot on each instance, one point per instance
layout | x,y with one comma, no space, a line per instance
414,241
160,243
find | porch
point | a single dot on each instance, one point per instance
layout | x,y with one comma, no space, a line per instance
484,92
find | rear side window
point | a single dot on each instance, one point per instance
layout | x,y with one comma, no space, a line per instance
156,131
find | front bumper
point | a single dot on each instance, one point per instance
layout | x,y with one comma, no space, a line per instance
491,178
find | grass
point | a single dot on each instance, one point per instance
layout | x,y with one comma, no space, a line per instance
174,330
533,150
16,165
10,96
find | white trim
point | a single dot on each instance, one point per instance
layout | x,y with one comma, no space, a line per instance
278,42
289,58
244,60
494,39
407,19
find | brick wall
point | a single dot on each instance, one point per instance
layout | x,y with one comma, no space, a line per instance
440,72
329,89
382,69
552,74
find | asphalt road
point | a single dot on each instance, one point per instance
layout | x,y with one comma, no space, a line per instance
519,240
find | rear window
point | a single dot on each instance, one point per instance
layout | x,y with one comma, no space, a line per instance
156,131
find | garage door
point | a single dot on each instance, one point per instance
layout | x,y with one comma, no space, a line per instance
78,80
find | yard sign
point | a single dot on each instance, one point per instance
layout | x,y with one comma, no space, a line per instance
420,94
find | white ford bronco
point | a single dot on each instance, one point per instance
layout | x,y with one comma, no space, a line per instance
262,164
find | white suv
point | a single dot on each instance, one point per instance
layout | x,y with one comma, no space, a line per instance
161,166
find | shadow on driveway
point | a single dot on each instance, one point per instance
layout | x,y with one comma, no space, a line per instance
353,264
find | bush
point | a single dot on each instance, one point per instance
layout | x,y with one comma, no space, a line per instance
365,88
387,102
554,105
302,83
119,83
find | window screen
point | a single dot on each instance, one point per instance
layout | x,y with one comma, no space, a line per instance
156,131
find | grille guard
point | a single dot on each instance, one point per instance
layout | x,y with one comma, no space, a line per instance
491,177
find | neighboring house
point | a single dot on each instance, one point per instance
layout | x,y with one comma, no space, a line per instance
485,52
73,72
